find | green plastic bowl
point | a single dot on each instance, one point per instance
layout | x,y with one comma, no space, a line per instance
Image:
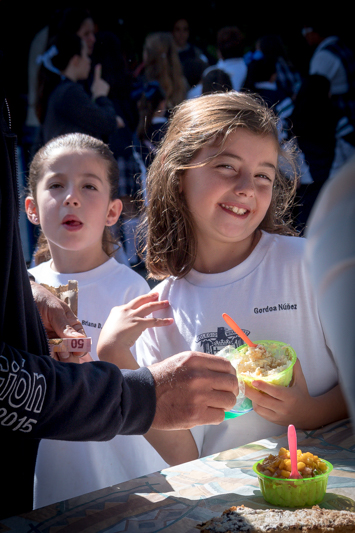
293,492
282,378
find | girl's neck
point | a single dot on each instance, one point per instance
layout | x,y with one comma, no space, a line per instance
224,256
71,262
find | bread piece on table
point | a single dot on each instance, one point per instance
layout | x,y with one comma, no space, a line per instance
315,520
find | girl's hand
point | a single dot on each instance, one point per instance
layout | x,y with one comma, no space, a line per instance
285,405
125,324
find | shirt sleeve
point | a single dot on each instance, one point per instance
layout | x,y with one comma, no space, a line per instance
43,398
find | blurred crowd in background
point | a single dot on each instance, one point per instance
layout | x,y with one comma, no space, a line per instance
117,75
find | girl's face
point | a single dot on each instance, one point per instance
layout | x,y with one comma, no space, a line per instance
229,196
73,202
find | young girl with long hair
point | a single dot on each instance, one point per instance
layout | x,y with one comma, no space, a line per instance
162,64
220,239
73,182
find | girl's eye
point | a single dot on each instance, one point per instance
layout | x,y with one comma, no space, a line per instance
264,176
90,187
225,167
55,186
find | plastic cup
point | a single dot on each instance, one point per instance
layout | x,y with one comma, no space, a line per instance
282,378
287,492
243,404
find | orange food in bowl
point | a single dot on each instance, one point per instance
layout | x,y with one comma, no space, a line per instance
279,466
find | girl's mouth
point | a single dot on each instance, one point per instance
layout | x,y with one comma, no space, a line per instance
72,223
235,209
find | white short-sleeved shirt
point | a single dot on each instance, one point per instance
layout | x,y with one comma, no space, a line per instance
269,295
67,469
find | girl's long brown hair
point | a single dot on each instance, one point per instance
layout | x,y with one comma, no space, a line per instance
77,142
167,229
163,65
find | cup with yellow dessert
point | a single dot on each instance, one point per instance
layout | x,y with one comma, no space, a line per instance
269,361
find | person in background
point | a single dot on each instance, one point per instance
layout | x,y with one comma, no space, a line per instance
69,20
230,49
262,79
335,60
187,51
288,79
314,122
152,119
330,260
63,106
161,63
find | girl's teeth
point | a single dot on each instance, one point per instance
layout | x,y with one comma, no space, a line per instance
236,210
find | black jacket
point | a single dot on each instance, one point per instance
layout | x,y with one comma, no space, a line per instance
39,397
70,109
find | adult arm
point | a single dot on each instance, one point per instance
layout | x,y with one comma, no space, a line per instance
43,398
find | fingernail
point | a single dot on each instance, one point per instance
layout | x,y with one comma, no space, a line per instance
73,332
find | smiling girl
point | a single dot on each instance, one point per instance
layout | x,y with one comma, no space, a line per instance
220,238
73,184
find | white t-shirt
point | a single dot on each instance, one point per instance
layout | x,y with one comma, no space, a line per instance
67,469
270,297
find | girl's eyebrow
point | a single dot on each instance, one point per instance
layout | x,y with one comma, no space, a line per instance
90,175
86,175
235,156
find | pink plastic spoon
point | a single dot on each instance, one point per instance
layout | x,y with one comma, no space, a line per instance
238,331
292,444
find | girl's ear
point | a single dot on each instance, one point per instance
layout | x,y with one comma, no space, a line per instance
114,211
31,210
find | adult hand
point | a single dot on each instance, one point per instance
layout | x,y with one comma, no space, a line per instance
59,321
99,87
193,389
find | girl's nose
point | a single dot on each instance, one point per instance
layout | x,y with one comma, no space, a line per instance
71,199
244,185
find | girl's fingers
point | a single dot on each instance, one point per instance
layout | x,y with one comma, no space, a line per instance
275,391
157,322
142,300
149,308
